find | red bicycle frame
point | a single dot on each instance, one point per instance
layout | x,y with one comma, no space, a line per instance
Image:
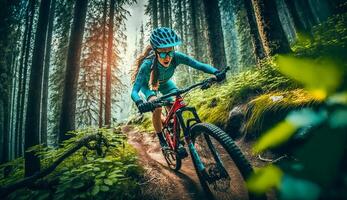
175,113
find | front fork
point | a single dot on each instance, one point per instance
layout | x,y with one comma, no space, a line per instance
186,125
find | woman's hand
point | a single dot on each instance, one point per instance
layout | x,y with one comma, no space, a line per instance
220,75
144,106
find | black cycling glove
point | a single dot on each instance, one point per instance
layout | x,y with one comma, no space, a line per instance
144,106
220,75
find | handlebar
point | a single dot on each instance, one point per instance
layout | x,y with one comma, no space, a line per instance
204,85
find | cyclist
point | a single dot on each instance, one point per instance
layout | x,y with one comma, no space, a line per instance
154,69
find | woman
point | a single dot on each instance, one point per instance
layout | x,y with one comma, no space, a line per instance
154,69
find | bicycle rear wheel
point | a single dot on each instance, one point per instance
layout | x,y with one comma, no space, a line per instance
226,167
171,155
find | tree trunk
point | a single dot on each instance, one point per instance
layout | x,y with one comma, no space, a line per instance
304,13
154,14
44,105
101,92
286,21
5,130
258,46
270,29
32,162
298,23
2,149
193,10
67,117
215,34
22,75
166,13
161,12
109,65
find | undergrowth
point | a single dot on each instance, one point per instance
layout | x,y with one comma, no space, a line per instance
83,175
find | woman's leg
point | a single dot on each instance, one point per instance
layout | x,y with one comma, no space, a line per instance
156,117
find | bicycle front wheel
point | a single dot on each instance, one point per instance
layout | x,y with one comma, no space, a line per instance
226,168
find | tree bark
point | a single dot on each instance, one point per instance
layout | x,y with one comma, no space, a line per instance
161,13
101,92
44,105
270,29
299,25
259,49
109,65
166,13
22,75
67,117
32,122
193,13
154,14
215,34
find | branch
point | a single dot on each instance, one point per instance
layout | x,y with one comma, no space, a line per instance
30,181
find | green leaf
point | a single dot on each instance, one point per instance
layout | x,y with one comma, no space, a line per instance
275,136
306,117
338,119
294,188
322,75
264,179
104,188
42,196
108,182
95,190
78,185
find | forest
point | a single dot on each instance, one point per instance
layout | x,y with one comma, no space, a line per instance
70,130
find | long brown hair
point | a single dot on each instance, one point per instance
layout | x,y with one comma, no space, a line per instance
154,69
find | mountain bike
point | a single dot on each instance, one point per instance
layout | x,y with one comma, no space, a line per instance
219,163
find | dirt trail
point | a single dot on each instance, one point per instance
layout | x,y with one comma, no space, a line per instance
160,181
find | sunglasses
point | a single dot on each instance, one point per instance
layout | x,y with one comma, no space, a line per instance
164,54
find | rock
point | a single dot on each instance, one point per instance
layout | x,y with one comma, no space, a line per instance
213,103
235,121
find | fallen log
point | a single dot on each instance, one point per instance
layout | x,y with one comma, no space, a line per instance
30,181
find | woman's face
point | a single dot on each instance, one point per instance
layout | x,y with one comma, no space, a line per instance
167,52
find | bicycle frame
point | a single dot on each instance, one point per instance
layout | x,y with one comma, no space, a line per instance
176,113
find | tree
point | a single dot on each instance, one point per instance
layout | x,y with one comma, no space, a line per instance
64,15
109,62
67,118
32,133
258,46
44,119
270,29
101,92
194,28
215,33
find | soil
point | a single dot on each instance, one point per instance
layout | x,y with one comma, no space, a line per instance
160,182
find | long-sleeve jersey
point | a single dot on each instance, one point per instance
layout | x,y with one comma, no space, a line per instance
165,73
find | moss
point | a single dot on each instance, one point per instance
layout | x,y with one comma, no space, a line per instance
273,107
214,104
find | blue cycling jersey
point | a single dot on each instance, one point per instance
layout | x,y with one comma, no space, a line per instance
165,73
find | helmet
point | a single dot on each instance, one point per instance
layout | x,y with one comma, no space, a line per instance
163,37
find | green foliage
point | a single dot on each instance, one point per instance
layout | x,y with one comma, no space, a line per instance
214,104
86,175
319,169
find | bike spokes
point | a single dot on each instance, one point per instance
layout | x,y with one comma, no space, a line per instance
221,174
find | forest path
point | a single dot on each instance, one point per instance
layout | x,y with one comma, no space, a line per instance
163,183
160,181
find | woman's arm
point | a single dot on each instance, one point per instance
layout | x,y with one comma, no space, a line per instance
142,78
182,58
